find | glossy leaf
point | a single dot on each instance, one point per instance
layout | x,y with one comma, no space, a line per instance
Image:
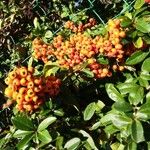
131,146
137,132
46,122
21,133
126,22
142,26
59,143
22,122
139,43
138,4
23,143
111,129
95,125
99,105
88,73
89,111
89,139
72,144
136,58
122,106
144,111
137,96
113,93
44,136
102,60
146,65
145,75
117,146
121,121
143,82
129,87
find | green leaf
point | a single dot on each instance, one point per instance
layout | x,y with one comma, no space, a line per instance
138,4
107,119
21,133
139,43
89,140
59,143
59,112
30,62
137,96
36,23
122,106
146,65
145,75
126,22
88,73
48,34
128,87
46,122
117,146
143,82
102,60
95,125
99,106
148,97
137,132
22,122
50,68
136,58
51,71
111,129
142,25
23,143
113,93
131,146
44,136
72,144
144,111
89,111
121,121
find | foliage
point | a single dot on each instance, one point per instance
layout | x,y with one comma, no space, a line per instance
103,100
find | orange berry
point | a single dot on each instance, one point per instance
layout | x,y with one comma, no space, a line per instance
27,98
117,22
8,92
14,96
30,93
29,77
22,90
23,72
30,85
20,98
28,107
114,67
118,46
105,71
23,82
121,68
35,98
122,34
12,75
38,81
8,81
16,82
31,69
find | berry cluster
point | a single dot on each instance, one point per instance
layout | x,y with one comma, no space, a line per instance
99,70
81,27
27,90
41,50
73,52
